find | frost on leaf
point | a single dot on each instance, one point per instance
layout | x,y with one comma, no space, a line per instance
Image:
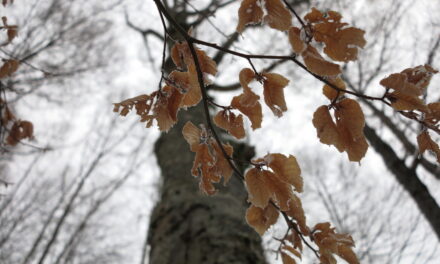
425,142
330,242
250,12
295,40
341,42
253,112
407,87
161,106
187,84
273,92
230,122
209,165
317,64
278,16
347,133
261,218
8,68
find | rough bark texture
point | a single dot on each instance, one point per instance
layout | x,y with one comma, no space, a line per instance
189,227
408,178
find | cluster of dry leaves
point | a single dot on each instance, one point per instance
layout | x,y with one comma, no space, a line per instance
275,180
16,129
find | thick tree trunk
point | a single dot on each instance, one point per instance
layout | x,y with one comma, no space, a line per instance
189,227
408,178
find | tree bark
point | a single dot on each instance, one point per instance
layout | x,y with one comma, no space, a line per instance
189,227
408,178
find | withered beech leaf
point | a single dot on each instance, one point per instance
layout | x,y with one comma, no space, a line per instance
292,250
326,128
254,112
250,12
281,193
298,45
261,218
249,98
350,122
330,242
194,94
8,68
273,92
432,114
286,168
230,122
256,184
181,56
221,167
425,142
332,93
203,163
20,130
166,107
341,42
296,211
278,16
317,64
287,259
192,135
401,101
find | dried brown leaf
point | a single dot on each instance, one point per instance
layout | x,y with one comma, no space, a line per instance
278,16
286,169
261,218
318,65
425,142
230,122
254,112
298,45
273,92
250,12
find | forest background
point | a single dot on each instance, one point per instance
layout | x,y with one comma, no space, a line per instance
82,56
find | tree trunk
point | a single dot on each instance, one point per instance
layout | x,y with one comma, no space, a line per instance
189,227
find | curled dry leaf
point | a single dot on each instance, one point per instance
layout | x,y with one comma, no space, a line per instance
8,68
273,92
261,218
182,57
20,130
11,30
287,259
249,98
250,12
341,43
253,112
407,87
330,242
432,115
326,128
278,16
209,163
298,45
230,122
347,134
332,93
286,168
296,211
257,186
317,64
425,142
